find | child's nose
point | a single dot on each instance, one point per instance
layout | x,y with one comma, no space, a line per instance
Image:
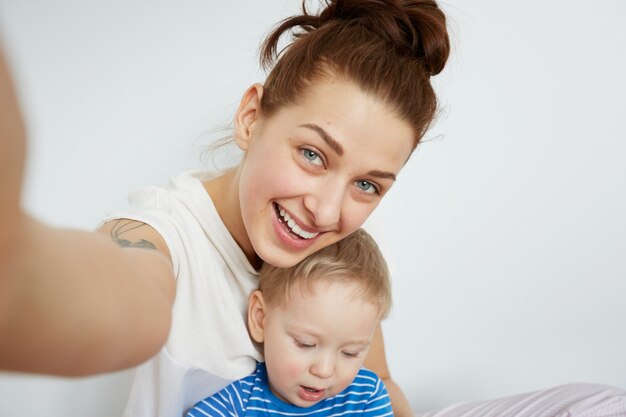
324,366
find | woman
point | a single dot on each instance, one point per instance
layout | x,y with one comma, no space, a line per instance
323,138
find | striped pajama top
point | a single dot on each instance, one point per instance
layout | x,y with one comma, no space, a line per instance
251,396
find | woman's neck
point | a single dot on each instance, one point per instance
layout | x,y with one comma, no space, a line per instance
224,191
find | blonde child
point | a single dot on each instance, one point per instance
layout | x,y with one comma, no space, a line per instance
315,322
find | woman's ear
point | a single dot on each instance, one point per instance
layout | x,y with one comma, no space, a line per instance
256,316
247,115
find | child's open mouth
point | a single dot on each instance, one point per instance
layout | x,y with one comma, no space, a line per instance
310,394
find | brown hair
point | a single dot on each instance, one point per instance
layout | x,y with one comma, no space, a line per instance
356,258
389,48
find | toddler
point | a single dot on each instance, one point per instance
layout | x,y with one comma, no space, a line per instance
315,322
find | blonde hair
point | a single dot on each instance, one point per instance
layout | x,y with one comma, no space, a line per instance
354,259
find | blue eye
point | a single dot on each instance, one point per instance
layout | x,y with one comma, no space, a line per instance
367,187
312,156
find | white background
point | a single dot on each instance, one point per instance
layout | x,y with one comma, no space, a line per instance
506,232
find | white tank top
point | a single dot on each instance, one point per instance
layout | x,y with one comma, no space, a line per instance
208,346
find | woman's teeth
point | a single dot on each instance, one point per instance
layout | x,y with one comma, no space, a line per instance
291,223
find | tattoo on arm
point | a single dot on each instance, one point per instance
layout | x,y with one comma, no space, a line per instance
124,226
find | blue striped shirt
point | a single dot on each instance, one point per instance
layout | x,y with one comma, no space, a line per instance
251,396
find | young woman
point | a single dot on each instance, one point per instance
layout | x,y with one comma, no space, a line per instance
165,283
324,139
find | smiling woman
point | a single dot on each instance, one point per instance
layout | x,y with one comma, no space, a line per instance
323,138
162,287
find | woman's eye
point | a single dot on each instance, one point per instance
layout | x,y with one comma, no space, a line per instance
312,156
350,354
367,187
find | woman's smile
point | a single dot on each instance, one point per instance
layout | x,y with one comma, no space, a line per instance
289,232
293,226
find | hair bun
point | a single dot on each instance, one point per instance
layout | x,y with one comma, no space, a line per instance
415,27
388,48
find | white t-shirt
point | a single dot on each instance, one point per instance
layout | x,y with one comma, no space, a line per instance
208,346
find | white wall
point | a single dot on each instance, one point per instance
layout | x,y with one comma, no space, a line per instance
506,232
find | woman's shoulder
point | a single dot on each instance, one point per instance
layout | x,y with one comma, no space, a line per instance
156,214
184,185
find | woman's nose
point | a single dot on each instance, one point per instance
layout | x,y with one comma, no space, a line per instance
324,203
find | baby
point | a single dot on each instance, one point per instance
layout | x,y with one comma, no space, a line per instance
315,322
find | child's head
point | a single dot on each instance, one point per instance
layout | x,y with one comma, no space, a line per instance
316,319
341,111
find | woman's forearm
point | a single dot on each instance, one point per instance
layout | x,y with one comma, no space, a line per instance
77,304
377,361
71,302
399,402
12,149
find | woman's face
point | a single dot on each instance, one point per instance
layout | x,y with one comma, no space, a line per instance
313,172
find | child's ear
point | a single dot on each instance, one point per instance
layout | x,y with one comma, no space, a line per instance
247,115
256,316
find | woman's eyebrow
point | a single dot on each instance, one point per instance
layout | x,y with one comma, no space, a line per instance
382,174
327,138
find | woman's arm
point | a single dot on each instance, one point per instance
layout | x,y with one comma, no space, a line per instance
12,150
79,304
72,302
377,362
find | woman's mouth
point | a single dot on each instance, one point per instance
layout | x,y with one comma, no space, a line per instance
291,224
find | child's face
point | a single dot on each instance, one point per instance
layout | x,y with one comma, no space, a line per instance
316,342
314,171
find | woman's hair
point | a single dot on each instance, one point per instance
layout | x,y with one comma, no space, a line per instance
354,259
389,48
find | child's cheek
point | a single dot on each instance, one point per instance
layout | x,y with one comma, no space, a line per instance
294,369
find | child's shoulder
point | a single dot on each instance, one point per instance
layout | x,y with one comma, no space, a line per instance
255,377
367,381
366,373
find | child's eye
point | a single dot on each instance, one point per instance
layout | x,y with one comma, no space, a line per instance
350,355
367,187
312,156
303,345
